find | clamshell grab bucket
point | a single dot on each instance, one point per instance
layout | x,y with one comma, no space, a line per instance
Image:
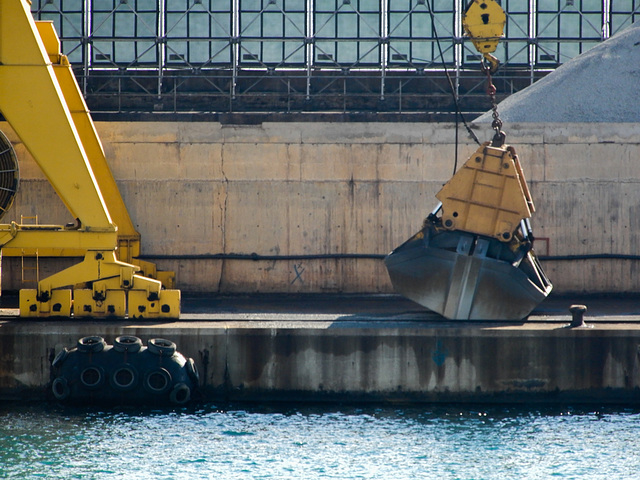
476,260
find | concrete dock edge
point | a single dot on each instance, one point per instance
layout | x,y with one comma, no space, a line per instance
406,358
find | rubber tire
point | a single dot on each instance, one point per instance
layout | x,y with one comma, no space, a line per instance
91,344
162,372
131,385
162,347
192,371
62,383
180,394
98,383
60,358
127,343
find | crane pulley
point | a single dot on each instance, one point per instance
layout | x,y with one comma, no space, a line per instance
483,21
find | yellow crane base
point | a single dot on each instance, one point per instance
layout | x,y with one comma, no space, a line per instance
82,303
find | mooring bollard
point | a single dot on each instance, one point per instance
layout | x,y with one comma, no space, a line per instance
577,312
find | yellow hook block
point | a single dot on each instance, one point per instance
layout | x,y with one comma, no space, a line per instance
483,21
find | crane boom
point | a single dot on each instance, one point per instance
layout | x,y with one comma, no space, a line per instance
33,103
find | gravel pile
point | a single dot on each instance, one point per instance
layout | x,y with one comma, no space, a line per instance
601,85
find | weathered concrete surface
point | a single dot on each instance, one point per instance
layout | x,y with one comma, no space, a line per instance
356,188
364,349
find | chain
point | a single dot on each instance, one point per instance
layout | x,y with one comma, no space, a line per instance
499,136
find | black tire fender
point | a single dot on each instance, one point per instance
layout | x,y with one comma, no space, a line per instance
180,394
60,358
125,377
127,343
92,377
158,381
192,371
60,388
91,344
161,346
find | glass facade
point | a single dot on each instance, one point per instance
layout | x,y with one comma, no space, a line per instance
347,33
565,29
271,32
123,32
518,29
198,33
623,13
170,40
413,28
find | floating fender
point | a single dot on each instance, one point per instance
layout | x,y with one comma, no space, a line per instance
125,373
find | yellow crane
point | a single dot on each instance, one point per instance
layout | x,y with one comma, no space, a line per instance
40,99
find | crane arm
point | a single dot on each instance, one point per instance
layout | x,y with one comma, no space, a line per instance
32,101
128,236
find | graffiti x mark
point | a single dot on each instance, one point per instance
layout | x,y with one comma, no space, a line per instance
299,269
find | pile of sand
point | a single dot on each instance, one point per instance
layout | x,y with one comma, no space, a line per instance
601,85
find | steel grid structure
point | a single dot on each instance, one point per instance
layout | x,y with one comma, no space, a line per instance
346,56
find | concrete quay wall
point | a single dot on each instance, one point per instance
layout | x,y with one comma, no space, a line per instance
200,188
326,362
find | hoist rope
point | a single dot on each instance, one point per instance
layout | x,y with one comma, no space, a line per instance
453,91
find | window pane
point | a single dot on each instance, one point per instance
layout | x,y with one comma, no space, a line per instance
125,26
325,25
272,25
272,52
569,26
548,26
548,5
347,26
399,25
514,53
246,5
199,25
221,25
421,25
250,25
294,25
250,52
294,53
591,25
176,25
591,5
517,26
177,52
107,5
221,52
516,6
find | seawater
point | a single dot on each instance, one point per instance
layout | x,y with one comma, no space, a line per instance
315,442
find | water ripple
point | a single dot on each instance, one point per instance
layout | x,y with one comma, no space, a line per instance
292,442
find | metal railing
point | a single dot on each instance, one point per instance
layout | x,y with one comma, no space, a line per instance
291,91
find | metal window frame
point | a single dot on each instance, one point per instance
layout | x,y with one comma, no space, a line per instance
230,83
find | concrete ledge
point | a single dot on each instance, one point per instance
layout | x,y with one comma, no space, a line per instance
406,355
